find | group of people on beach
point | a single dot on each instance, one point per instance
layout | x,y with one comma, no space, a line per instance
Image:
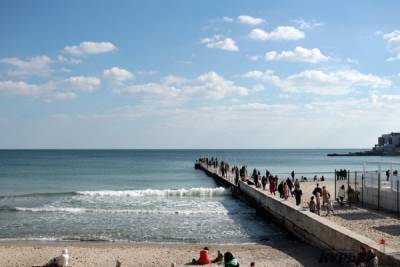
227,259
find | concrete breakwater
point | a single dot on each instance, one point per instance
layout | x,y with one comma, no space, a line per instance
300,222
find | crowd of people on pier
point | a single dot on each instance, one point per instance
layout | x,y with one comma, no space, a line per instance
287,187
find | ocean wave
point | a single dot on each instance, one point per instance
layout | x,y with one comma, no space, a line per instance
192,192
135,211
45,194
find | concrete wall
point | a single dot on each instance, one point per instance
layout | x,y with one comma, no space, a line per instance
310,227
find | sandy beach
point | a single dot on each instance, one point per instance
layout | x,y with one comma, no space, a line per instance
27,253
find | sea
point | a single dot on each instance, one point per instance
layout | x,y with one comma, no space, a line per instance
142,195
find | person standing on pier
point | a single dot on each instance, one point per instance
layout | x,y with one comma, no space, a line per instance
264,182
297,194
272,185
318,202
285,191
316,190
325,196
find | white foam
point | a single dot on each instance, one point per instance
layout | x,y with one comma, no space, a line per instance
136,211
192,192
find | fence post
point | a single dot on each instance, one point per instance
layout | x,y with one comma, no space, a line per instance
362,190
335,184
379,189
398,212
355,182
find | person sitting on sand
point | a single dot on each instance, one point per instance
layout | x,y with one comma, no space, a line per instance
219,258
230,260
60,261
312,205
361,257
204,258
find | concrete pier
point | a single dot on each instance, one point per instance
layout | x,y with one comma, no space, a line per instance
300,222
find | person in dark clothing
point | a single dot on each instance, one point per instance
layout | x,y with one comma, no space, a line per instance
297,194
280,189
361,256
264,182
316,190
290,185
387,175
292,174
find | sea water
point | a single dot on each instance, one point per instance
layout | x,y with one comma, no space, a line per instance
139,195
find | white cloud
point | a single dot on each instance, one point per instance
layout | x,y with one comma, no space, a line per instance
298,54
321,82
393,43
228,19
52,90
39,65
254,57
90,48
81,83
218,41
279,33
303,24
118,75
209,85
245,19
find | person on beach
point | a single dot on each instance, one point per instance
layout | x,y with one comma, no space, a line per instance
219,258
361,257
253,264
312,205
318,203
325,196
203,259
316,190
60,261
230,260
285,191
297,194
341,195
296,183
329,208
292,174
372,259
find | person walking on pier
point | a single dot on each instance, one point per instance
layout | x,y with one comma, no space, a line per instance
312,205
341,195
297,194
272,185
285,191
316,190
280,189
318,202
264,182
325,196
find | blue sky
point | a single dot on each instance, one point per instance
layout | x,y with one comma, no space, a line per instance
198,74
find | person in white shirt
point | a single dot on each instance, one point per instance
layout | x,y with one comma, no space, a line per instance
341,195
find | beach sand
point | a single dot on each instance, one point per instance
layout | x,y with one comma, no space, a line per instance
29,253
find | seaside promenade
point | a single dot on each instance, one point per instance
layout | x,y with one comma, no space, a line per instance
351,227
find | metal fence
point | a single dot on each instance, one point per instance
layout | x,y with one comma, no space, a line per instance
375,189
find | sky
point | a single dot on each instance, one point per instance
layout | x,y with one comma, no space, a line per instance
198,74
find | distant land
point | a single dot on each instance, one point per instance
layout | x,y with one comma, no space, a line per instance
388,145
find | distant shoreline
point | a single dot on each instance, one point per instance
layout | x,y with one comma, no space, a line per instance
364,153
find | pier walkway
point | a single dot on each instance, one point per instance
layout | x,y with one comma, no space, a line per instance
325,232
